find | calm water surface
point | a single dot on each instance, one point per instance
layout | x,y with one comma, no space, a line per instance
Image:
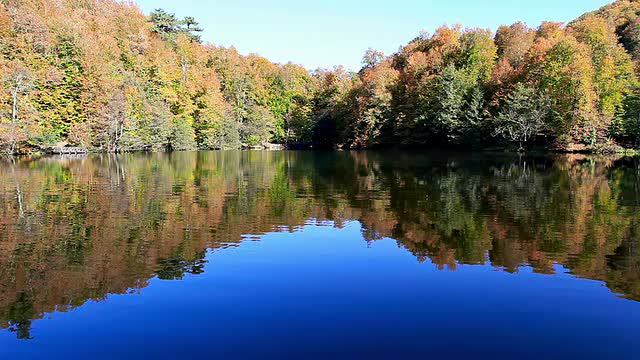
301,255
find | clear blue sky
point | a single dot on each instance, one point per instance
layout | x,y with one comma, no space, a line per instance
325,33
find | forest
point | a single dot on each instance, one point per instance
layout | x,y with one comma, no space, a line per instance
102,75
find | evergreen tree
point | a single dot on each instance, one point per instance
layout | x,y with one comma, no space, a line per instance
473,117
449,103
166,25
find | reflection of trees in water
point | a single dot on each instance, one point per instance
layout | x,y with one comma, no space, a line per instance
176,266
107,223
20,315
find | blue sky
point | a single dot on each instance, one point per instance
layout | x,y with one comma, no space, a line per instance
331,32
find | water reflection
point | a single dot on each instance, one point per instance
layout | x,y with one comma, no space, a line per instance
78,229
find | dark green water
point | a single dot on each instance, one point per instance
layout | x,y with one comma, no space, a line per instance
242,255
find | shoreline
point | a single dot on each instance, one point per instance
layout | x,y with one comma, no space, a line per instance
536,151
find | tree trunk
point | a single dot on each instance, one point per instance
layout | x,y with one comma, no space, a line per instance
14,115
15,92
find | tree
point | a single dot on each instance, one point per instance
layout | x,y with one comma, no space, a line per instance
626,126
613,67
63,98
513,42
18,82
331,107
181,136
473,117
523,116
191,28
372,58
568,79
449,102
111,123
168,26
478,54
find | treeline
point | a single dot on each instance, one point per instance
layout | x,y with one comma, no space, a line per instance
102,75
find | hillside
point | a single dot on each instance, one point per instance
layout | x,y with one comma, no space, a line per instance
624,15
102,75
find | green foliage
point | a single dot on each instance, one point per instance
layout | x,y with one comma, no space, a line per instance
473,118
181,135
479,53
372,58
21,313
446,111
148,127
627,125
176,266
614,73
62,102
523,116
568,77
168,26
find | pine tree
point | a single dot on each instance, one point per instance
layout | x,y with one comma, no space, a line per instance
449,102
166,25
473,115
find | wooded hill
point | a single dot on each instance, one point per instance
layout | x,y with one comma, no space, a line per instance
100,74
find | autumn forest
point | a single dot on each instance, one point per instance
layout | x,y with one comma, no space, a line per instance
104,76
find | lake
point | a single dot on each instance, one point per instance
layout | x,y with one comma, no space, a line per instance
320,255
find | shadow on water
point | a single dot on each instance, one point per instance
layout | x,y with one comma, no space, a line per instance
78,229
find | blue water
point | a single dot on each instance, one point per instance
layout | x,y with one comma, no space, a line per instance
324,293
